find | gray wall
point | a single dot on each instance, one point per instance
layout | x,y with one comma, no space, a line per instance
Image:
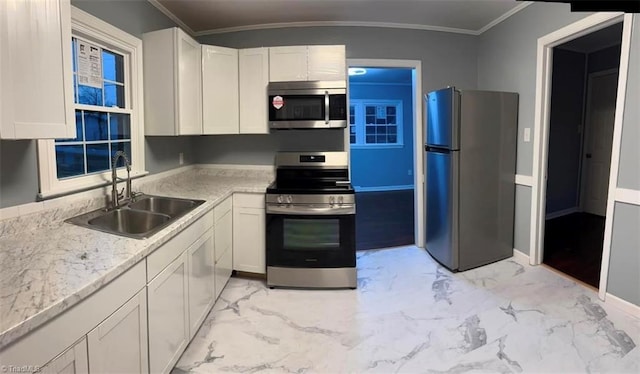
624,265
507,62
447,59
522,220
565,138
19,172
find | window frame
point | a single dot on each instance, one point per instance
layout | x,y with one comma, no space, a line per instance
88,27
359,116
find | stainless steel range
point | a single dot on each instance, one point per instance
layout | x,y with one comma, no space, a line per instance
310,225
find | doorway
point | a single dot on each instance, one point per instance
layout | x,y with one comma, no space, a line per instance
581,126
381,142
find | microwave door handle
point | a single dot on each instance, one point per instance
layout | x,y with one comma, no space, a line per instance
326,107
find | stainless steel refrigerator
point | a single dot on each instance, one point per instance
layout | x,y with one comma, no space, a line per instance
470,161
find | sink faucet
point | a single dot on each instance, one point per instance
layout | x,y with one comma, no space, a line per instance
115,196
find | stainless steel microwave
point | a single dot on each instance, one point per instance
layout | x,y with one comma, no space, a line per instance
307,105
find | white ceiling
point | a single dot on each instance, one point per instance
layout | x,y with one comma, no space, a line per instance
201,17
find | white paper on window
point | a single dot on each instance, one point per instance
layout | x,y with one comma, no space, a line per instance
89,64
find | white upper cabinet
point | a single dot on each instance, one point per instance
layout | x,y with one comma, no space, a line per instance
326,62
220,112
254,78
288,64
172,83
36,75
313,63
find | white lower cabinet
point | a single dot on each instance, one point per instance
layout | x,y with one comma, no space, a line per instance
223,224
119,343
168,316
201,280
249,233
72,361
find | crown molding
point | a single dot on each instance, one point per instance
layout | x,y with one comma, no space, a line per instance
172,16
393,25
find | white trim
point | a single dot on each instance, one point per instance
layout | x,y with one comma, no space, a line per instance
172,17
504,17
401,187
520,257
392,25
524,180
622,304
91,27
628,196
563,212
541,130
418,159
409,26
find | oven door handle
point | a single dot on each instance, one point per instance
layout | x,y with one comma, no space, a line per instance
307,210
326,107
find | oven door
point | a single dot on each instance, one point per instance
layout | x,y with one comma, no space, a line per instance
310,240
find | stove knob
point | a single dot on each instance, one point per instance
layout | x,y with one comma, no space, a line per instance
289,199
332,200
279,199
340,200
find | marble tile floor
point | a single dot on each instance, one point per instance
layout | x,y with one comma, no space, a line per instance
411,315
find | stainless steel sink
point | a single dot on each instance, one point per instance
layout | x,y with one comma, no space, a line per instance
164,205
140,218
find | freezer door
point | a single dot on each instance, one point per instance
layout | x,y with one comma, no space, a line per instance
442,127
442,207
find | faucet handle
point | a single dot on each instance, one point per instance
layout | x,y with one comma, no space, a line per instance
121,193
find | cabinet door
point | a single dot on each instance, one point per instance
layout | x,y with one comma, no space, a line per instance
119,343
223,270
254,78
36,84
223,234
288,64
189,84
326,62
201,280
168,316
249,240
220,111
73,361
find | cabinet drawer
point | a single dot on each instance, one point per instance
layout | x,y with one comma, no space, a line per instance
248,200
223,208
169,251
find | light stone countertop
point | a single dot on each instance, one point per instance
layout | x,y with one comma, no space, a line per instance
47,270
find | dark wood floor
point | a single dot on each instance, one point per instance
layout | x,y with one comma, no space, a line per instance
384,219
573,245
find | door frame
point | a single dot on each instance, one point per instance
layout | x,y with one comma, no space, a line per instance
418,159
541,131
586,133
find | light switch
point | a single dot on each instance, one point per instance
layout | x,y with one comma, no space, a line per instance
527,134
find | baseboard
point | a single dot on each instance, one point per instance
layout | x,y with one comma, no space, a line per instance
524,180
383,188
561,213
520,257
622,305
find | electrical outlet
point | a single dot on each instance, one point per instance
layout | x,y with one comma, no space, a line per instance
527,134
409,172
181,158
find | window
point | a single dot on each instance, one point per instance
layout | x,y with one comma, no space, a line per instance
375,123
107,94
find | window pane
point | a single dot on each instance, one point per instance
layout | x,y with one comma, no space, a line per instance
89,95
352,139
392,139
97,157
391,119
69,160
392,129
121,146
381,139
95,126
113,95
381,130
371,130
370,110
371,139
112,66
78,137
391,110
120,126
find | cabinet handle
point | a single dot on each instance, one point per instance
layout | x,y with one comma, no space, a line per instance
326,107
